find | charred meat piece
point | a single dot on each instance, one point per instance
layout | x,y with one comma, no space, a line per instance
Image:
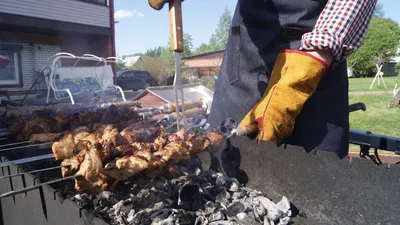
64,148
45,137
80,132
16,124
91,180
141,132
63,121
173,152
71,166
124,168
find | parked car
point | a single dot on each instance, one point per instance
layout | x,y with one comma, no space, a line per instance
134,79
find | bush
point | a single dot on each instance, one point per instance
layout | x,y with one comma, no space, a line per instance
157,67
208,82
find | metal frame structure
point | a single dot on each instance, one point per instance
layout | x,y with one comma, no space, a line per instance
50,81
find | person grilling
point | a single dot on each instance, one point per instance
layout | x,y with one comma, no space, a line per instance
284,72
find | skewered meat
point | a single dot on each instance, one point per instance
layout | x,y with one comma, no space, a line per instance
173,152
71,166
45,137
80,132
21,127
91,179
124,168
16,124
141,132
78,140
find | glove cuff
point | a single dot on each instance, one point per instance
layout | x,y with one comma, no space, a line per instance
322,62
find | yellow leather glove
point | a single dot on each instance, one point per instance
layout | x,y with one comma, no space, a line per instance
158,4
295,77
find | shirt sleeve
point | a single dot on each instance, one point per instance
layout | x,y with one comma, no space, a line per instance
341,28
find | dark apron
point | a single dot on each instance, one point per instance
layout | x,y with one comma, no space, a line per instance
260,28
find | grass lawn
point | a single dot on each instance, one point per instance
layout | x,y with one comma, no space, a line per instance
362,84
378,118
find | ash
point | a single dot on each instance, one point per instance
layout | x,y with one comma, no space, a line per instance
185,195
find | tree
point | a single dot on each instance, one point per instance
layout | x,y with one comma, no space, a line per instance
220,36
168,54
157,67
203,48
379,12
155,52
379,45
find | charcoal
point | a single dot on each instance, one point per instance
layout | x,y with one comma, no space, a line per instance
236,208
131,214
161,216
209,207
223,198
195,197
105,198
240,193
223,223
216,216
83,200
201,220
167,221
221,180
122,207
190,197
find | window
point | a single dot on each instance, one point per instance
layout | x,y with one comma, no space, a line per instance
98,2
11,76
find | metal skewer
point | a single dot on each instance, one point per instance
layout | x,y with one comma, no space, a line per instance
36,146
11,193
14,144
28,160
31,172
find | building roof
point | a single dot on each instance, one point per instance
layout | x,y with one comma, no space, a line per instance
191,92
202,55
131,60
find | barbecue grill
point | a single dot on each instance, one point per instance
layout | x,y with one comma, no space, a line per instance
320,187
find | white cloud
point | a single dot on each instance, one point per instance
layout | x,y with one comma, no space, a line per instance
139,14
122,13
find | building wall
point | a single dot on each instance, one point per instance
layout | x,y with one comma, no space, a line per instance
36,49
205,64
74,11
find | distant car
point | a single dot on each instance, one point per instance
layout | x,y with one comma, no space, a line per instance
134,79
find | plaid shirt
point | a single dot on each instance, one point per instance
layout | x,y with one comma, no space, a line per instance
341,27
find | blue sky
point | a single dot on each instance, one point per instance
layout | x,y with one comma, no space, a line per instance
140,27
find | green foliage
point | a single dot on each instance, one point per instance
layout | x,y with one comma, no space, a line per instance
168,54
218,40
397,68
119,65
208,82
154,52
156,66
380,45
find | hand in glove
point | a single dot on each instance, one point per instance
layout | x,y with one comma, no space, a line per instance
295,77
159,4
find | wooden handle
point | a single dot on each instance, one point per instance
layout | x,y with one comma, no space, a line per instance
187,104
247,130
194,112
175,23
188,113
126,104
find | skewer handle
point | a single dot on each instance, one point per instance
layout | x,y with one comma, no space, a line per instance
175,23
